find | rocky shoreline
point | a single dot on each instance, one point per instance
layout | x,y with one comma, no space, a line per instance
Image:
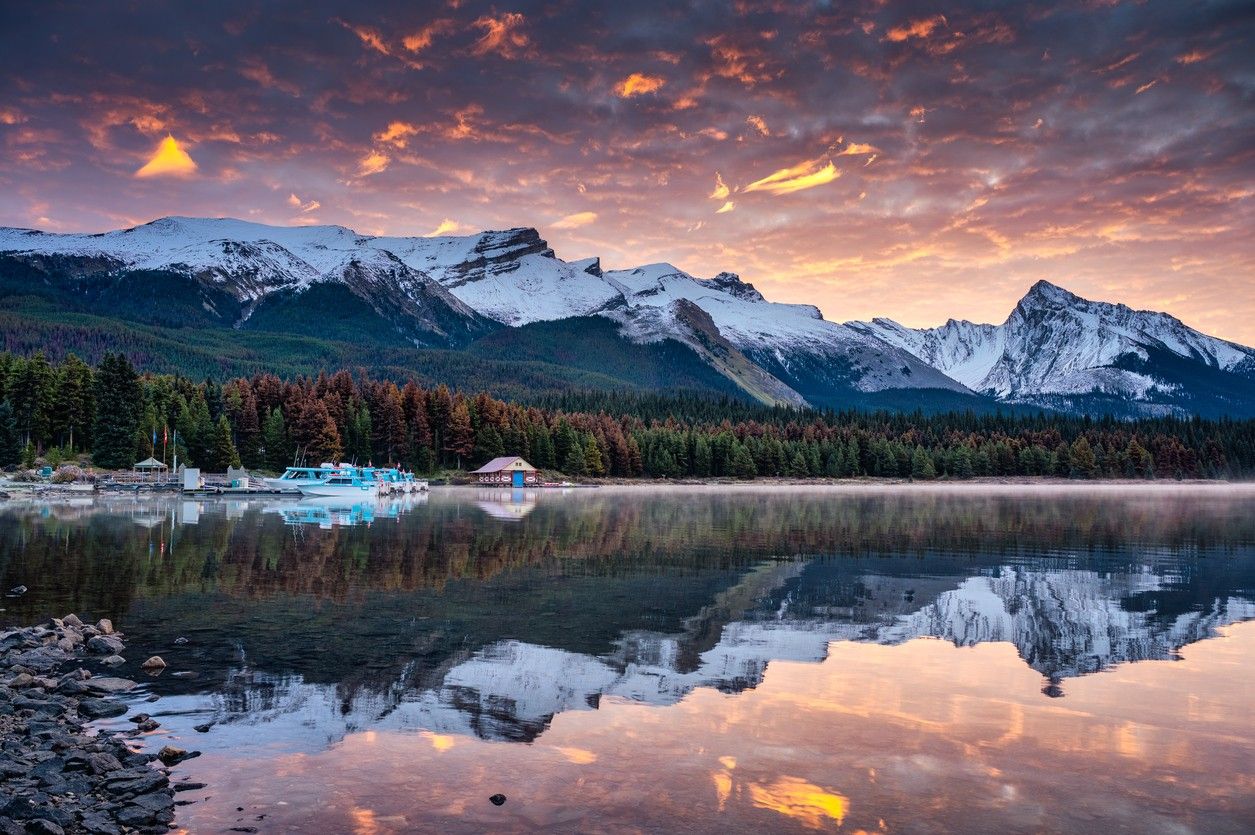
60,775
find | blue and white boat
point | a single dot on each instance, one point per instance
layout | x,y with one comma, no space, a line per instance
294,477
350,483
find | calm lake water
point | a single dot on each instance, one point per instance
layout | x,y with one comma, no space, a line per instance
886,660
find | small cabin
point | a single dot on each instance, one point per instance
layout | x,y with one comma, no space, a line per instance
508,471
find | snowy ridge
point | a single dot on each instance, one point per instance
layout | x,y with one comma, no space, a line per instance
1056,343
512,277
1055,349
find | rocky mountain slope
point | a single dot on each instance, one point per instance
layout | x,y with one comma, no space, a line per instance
1061,351
1056,350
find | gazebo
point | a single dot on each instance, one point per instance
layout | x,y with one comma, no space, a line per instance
149,466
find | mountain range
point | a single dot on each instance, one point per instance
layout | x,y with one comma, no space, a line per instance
501,310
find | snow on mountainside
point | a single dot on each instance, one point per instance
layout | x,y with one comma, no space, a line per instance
777,352
1056,345
1054,350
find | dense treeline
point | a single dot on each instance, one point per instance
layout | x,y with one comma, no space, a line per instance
265,422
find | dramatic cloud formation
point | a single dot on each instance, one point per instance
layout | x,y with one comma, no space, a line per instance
169,160
798,177
638,84
875,158
574,221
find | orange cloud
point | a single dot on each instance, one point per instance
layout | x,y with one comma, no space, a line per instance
725,208
260,73
304,207
855,149
804,175
574,221
372,163
397,134
11,117
169,160
1193,57
1146,86
747,64
638,84
922,28
721,189
502,35
370,38
424,37
758,124
449,226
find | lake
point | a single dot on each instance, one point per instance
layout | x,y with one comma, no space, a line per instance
638,659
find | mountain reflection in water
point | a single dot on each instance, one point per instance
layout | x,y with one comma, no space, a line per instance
488,614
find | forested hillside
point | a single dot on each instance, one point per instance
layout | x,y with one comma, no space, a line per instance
266,422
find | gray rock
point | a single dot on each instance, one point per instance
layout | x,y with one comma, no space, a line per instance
98,823
113,660
100,708
105,626
154,663
135,781
109,684
72,620
42,826
105,645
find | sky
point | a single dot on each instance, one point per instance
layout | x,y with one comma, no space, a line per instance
914,160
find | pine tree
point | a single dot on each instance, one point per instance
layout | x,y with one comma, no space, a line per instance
274,439
573,464
460,438
1084,463
315,433
10,439
922,465
594,462
118,399
488,443
223,453
740,462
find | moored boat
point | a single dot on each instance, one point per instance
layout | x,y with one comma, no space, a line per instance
294,477
351,483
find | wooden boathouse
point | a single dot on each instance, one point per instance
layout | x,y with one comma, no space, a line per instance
508,471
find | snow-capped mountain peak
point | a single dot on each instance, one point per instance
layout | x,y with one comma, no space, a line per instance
1057,349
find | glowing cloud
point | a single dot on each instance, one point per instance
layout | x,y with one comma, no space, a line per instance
758,124
169,160
855,149
638,84
372,163
397,134
915,29
721,189
725,208
304,207
502,35
574,221
802,176
424,37
448,226
1193,57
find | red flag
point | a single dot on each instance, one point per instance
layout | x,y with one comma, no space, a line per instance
165,434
